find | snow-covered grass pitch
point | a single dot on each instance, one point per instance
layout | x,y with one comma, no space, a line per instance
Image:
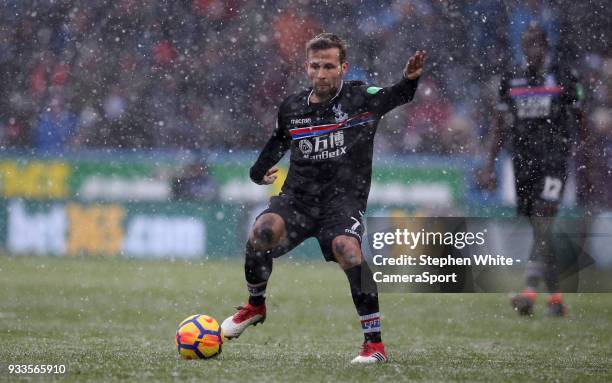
110,319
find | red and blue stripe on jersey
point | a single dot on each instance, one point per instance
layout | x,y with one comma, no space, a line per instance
312,131
536,91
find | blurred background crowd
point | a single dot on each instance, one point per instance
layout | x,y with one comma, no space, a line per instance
209,74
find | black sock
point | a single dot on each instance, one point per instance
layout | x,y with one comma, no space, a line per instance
543,251
534,274
551,276
365,298
257,270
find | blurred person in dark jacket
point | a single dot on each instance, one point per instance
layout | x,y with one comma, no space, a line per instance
194,183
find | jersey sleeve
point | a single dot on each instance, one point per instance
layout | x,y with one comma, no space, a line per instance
503,98
382,100
574,92
273,151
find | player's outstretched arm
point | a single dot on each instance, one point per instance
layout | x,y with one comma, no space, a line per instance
414,65
262,172
382,100
486,176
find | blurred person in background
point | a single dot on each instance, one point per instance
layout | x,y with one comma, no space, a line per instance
427,120
55,128
194,183
539,105
595,160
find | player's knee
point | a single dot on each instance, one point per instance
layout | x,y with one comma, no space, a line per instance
347,252
263,237
266,233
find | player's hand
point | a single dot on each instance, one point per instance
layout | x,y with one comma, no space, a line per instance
270,177
414,66
485,179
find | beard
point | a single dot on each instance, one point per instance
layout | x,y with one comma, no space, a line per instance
326,93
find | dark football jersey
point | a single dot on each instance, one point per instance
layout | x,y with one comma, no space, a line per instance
331,143
540,105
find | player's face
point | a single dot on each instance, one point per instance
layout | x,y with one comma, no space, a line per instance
535,51
325,71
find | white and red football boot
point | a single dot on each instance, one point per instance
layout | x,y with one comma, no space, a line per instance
371,352
243,318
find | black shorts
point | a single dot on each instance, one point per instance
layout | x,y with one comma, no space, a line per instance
325,223
537,180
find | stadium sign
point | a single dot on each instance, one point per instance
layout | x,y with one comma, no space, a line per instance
102,229
123,178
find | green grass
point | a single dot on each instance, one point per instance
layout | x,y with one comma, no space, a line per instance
114,319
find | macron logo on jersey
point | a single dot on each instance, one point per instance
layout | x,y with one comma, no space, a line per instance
299,121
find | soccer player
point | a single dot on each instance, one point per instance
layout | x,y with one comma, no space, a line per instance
329,129
539,106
